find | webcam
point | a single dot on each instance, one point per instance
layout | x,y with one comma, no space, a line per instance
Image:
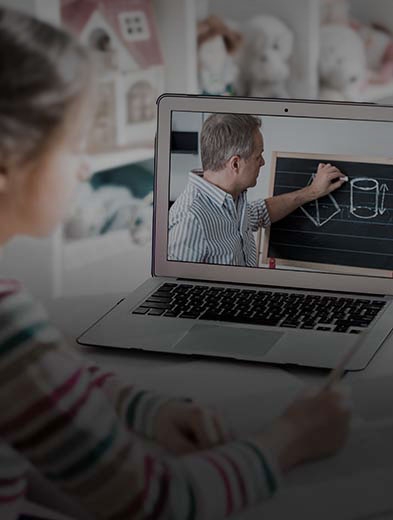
285,109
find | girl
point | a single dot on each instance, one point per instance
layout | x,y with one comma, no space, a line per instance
78,425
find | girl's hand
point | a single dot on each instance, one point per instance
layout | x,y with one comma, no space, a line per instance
313,426
184,427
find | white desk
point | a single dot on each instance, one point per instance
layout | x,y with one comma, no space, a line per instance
73,315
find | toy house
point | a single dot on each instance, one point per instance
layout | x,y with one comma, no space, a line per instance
123,37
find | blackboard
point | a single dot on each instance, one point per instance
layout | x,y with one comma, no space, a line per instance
351,229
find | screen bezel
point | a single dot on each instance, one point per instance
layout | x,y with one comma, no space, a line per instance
161,266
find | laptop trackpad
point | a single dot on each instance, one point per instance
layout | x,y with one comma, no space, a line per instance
227,341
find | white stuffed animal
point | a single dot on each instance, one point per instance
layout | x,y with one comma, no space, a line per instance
109,208
142,220
93,211
342,63
264,59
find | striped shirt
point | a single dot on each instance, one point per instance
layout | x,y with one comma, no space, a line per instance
207,225
83,428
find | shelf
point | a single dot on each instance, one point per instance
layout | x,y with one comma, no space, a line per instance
375,93
128,266
105,161
85,251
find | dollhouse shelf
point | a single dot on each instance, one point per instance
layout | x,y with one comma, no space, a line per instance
379,93
104,264
78,253
100,162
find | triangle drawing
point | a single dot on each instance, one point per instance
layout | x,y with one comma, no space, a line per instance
320,212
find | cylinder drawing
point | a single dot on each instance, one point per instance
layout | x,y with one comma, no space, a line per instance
364,197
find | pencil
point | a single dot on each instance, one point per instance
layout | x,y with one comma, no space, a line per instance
336,374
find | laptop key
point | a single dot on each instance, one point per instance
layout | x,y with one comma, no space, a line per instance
290,324
272,322
210,315
156,312
341,328
189,315
174,310
167,287
171,314
157,305
141,310
378,303
162,294
155,299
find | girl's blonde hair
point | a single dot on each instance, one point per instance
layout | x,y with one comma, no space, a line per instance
43,72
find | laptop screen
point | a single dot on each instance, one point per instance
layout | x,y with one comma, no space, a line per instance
278,192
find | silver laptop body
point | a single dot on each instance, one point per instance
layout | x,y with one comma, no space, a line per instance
300,131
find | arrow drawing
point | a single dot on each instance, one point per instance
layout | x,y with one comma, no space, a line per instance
383,189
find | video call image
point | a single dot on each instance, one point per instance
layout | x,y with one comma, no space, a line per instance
278,192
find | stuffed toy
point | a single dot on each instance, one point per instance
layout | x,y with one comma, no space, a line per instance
378,43
377,39
342,63
142,220
217,43
335,12
109,208
264,58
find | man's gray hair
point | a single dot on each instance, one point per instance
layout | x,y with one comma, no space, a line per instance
226,135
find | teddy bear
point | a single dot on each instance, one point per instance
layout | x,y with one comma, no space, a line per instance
264,58
217,44
378,42
377,39
342,63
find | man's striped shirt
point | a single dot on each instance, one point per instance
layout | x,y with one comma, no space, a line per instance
207,225
82,428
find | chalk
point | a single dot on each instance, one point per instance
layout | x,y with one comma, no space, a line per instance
346,179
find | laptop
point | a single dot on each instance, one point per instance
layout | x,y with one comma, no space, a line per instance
315,282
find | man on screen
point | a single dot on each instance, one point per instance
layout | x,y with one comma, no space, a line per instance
211,221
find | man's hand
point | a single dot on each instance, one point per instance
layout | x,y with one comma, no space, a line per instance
183,427
327,179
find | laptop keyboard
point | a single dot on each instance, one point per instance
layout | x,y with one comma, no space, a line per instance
260,307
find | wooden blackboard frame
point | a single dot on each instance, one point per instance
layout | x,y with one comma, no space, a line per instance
332,268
